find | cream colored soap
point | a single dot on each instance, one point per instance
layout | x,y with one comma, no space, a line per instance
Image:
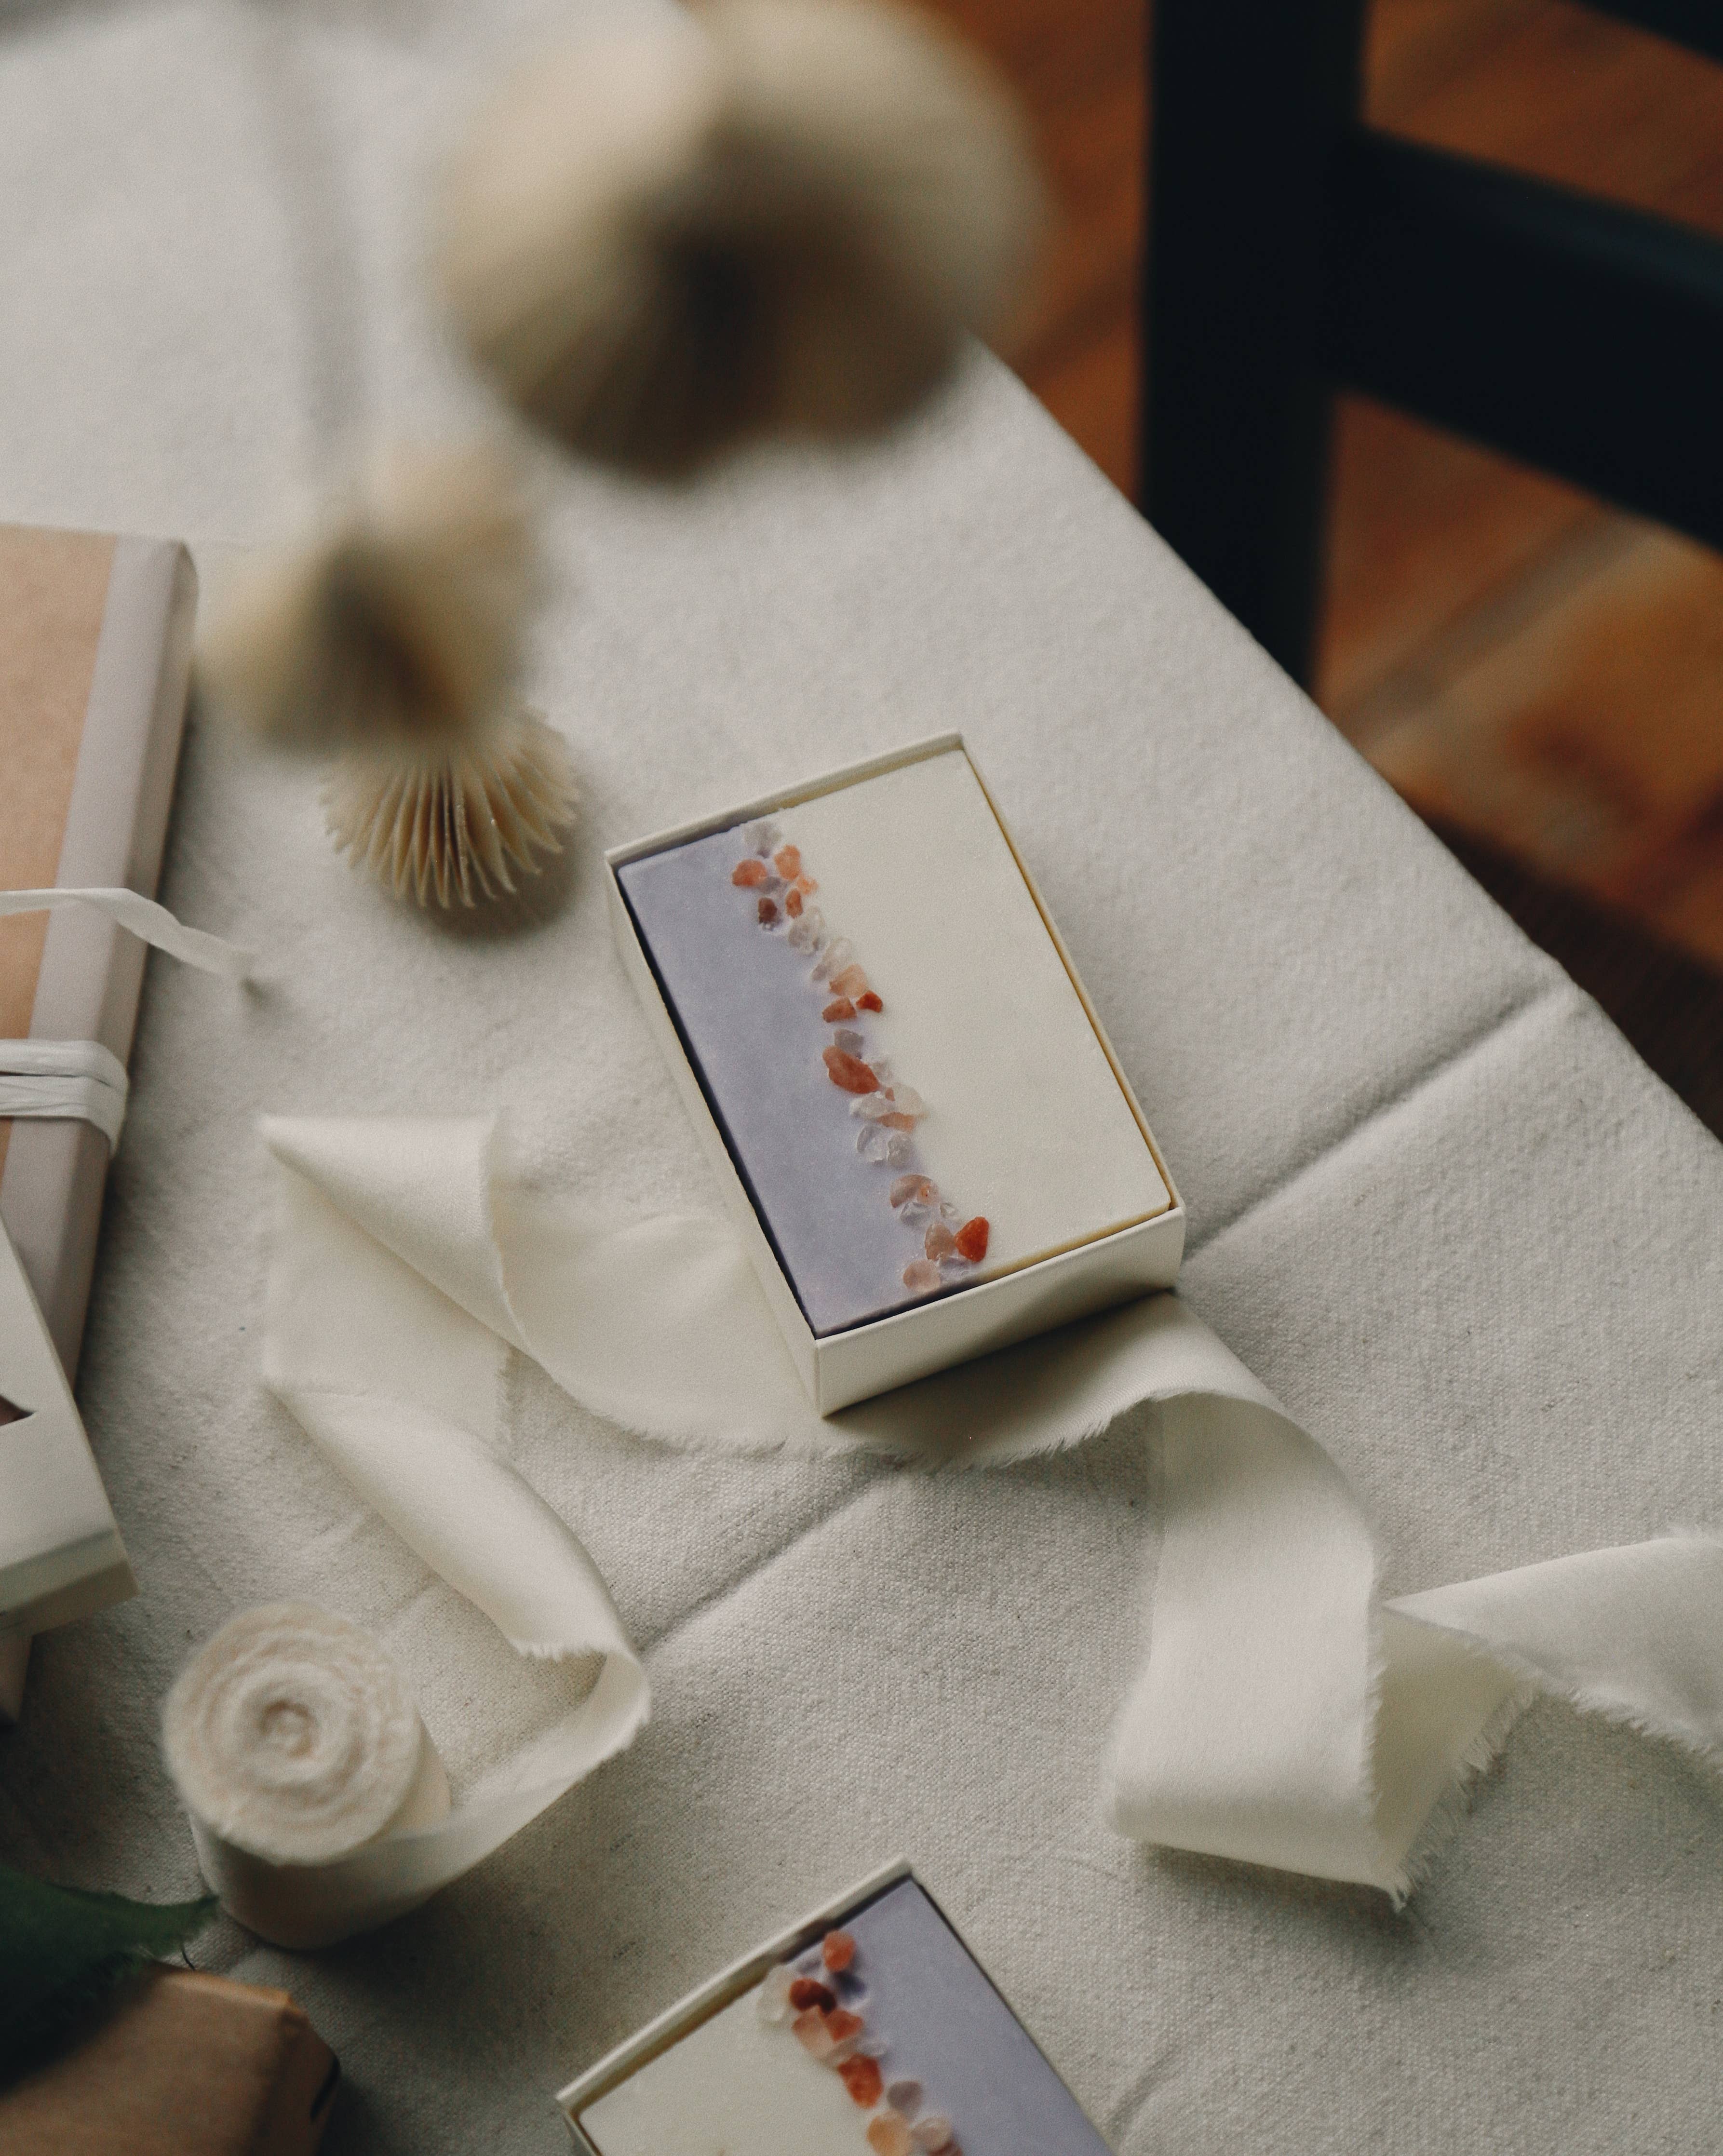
1025,1122
736,2085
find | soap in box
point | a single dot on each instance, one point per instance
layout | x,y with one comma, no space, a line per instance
917,1119
867,2029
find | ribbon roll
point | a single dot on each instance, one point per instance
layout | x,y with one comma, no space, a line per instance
297,1750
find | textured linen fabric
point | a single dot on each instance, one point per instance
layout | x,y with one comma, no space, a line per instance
1437,1207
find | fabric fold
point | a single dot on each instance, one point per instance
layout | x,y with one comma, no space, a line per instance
396,1380
1283,1714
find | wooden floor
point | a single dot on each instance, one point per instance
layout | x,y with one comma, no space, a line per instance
1527,666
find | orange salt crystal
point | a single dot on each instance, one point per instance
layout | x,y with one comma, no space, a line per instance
806,885
787,861
837,1950
792,905
851,1072
972,1241
851,982
863,2080
837,1010
806,1991
869,1002
746,873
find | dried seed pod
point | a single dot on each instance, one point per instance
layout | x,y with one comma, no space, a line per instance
781,219
402,622
453,823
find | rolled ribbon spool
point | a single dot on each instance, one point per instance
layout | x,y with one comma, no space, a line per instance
302,1760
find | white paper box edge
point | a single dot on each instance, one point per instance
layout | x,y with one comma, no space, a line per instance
60,1553
675,2021
842,1368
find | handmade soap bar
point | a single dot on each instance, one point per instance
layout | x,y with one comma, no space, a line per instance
907,1080
883,2038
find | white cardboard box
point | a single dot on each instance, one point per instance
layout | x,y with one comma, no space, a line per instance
841,1367
60,1552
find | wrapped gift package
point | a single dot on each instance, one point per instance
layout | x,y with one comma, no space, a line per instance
95,643
95,637
181,2064
868,2026
914,1110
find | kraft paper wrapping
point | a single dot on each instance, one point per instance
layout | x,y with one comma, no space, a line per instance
95,637
1283,1714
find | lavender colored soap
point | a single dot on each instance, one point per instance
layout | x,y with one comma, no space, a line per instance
883,2038
907,1078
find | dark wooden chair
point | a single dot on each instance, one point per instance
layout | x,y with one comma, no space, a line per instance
1293,251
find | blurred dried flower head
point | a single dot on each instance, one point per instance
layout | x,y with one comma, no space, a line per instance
780,217
403,623
456,823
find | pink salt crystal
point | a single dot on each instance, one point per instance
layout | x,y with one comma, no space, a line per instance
850,1041
839,1008
869,1002
748,873
940,1242
851,982
921,1278
787,861
838,954
905,2096
793,904
845,2030
932,2132
812,2035
848,1071
768,913
889,2135
837,1950
972,1241
906,1186
774,1999
896,1122
808,1991
806,885
863,2080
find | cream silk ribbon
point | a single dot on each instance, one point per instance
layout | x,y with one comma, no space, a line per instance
64,1081
143,918
1283,1714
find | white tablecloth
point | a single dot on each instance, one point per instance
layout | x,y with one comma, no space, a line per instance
1436,1204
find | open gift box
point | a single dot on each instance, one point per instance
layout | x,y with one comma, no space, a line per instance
866,2027
917,1119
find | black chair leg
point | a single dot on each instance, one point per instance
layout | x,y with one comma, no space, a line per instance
1251,101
